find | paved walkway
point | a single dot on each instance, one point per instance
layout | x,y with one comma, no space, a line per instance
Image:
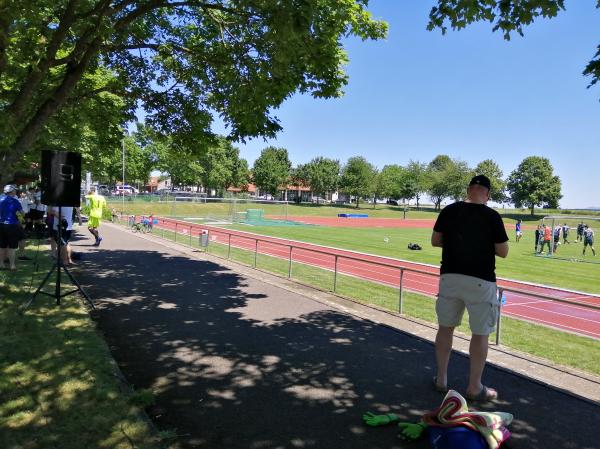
241,359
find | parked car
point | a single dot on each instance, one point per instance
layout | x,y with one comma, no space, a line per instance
125,190
393,202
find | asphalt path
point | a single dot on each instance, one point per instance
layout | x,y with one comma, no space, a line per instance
235,362
574,316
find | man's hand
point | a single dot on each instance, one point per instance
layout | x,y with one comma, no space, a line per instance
437,239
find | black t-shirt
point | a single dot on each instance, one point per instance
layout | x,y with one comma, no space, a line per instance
469,234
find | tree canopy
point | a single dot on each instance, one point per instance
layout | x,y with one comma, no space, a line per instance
181,61
358,178
491,169
533,183
323,175
272,169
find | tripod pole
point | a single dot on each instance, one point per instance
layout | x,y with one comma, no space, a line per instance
59,266
59,260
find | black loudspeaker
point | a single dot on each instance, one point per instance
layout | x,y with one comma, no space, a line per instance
61,178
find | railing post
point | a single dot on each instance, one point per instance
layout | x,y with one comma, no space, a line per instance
400,293
335,271
255,251
175,232
229,248
290,264
500,294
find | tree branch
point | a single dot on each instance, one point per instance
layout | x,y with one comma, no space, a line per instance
36,75
55,101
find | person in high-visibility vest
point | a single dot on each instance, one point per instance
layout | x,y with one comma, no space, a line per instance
97,204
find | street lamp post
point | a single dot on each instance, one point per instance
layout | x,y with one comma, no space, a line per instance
123,180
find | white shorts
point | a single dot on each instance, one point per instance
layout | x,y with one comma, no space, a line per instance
519,233
480,298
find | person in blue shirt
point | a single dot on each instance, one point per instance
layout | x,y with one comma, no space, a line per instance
11,231
518,231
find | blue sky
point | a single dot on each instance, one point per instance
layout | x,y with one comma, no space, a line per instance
469,94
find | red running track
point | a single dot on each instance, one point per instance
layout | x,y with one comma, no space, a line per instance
386,271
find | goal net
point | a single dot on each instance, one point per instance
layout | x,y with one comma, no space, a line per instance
572,237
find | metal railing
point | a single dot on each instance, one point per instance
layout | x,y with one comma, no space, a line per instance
177,227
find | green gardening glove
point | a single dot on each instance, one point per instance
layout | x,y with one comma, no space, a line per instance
411,431
374,420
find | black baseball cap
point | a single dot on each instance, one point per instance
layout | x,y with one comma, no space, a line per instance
482,181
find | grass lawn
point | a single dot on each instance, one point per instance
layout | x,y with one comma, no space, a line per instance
58,382
566,349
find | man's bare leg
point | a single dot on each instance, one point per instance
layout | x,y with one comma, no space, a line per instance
443,349
478,350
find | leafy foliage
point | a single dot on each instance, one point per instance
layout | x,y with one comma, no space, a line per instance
491,169
358,178
390,181
533,183
416,180
222,166
323,175
272,169
181,62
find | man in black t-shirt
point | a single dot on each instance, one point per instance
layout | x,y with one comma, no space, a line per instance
470,235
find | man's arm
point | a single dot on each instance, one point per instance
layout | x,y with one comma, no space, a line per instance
436,239
501,249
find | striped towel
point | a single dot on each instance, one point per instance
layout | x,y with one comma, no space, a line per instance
455,412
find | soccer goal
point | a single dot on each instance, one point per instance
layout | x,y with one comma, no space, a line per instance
572,237
223,210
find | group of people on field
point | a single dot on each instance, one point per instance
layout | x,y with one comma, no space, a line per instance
545,236
23,216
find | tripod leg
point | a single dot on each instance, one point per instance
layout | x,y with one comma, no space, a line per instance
40,287
78,285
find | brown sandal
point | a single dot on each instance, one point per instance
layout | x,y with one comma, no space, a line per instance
486,394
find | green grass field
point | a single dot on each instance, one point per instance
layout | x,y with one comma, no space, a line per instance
58,381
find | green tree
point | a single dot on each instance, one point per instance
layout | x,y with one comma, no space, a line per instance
458,175
506,16
178,60
271,170
240,174
491,169
91,125
391,181
437,182
179,161
299,178
222,166
416,180
358,178
533,183
323,175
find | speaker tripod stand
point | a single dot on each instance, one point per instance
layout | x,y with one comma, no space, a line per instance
59,266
